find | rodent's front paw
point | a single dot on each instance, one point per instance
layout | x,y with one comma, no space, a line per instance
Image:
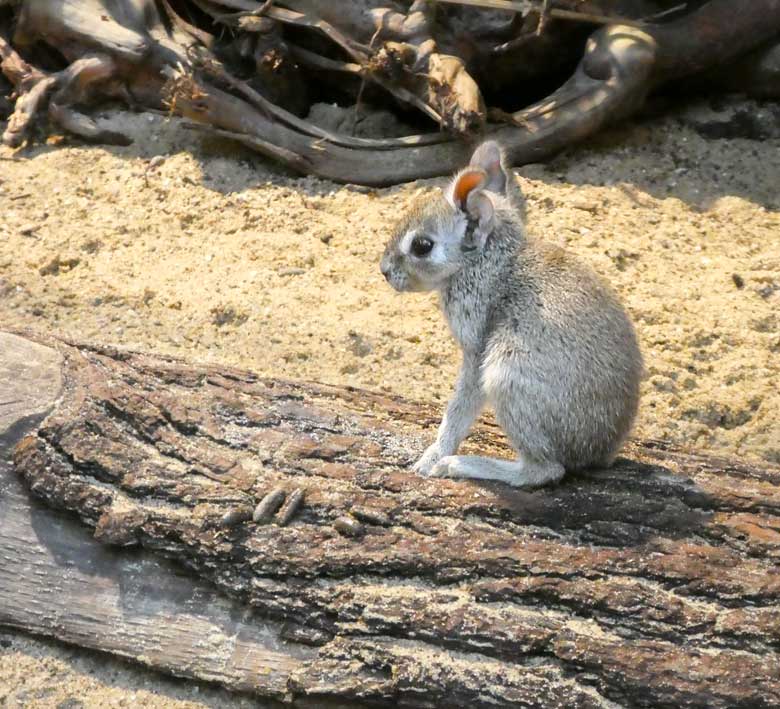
428,461
445,467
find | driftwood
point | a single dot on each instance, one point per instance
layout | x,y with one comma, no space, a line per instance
431,57
653,583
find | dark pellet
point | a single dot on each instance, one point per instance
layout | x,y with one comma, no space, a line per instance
267,507
291,507
369,516
348,526
236,516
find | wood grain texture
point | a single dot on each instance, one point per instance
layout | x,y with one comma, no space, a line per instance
653,583
30,379
57,580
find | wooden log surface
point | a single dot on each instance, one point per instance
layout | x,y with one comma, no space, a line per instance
653,583
57,580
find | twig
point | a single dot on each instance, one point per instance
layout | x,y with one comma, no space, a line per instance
360,53
284,155
514,43
523,6
325,63
354,49
18,71
232,19
359,99
213,67
664,13
544,15
399,92
260,10
306,127
180,23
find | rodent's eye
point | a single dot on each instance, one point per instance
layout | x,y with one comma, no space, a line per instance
421,245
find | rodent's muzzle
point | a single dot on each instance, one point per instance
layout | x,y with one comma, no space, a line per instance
392,268
386,266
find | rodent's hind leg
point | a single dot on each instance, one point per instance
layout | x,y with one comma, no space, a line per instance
523,472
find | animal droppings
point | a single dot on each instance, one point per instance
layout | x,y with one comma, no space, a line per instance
268,506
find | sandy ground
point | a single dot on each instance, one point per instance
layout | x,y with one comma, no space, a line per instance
39,674
185,245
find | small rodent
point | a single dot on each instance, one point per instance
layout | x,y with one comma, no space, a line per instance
545,340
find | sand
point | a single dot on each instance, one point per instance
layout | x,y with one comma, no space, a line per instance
187,245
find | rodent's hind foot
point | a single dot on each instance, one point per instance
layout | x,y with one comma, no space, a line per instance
518,473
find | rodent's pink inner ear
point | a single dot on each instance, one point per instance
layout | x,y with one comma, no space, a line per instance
465,183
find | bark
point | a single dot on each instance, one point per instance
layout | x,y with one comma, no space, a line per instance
57,580
653,583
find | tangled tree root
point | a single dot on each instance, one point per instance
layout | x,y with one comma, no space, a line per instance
127,49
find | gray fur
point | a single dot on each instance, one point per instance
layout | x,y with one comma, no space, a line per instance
544,339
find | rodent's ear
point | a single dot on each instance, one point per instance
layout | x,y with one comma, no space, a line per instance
490,158
481,209
465,182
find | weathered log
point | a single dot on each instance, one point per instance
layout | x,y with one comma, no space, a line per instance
57,580
653,583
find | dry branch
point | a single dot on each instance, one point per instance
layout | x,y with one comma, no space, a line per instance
654,583
546,12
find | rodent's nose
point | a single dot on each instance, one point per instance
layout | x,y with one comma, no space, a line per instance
385,266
